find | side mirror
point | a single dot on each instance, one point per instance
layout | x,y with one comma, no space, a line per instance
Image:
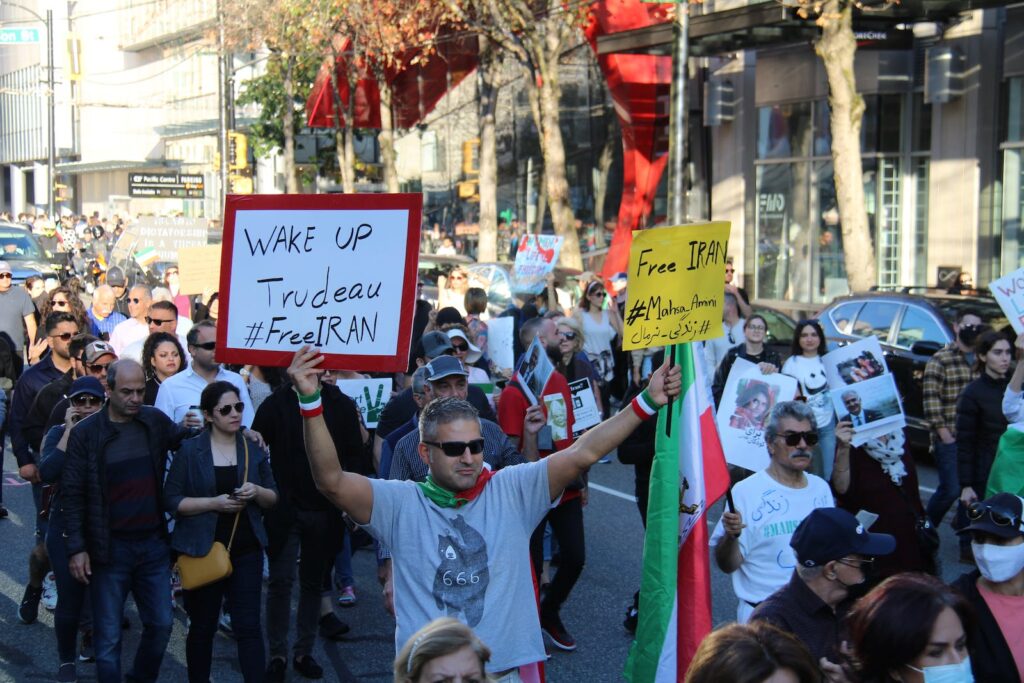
925,348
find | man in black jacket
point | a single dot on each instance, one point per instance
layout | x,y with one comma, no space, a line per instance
996,588
305,522
36,422
116,534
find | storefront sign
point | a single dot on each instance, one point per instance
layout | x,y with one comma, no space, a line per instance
676,285
336,272
536,257
175,185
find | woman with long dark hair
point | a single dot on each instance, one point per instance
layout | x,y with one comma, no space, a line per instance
600,325
162,356
217,488
806,367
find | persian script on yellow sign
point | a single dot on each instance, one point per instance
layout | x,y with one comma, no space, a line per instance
676,285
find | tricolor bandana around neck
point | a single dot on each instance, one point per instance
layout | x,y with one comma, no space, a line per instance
444,498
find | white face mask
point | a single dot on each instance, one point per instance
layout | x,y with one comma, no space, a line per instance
947,673
998,563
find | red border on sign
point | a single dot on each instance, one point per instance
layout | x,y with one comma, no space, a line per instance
413,203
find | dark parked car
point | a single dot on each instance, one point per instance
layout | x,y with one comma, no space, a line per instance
911,325
20,248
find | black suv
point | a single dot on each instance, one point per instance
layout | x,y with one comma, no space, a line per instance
911,324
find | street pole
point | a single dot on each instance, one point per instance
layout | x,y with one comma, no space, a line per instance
222,110
678,116
51,117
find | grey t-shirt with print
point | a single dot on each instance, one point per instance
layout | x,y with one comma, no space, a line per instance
471,563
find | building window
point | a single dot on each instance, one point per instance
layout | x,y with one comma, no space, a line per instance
1013,176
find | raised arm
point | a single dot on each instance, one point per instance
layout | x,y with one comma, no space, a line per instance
350,492
565,466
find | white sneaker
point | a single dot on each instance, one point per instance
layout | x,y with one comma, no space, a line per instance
49,592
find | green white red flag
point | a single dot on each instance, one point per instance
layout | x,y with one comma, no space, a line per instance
688,476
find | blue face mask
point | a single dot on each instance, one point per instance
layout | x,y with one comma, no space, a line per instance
947,673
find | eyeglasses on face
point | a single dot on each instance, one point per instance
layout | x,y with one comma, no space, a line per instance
64,336
454,449
206,346
59,303
226,410
794,438
86,400
135,300
999,515
460,348
858,562
568,336
6,276
599,293
97,368
157,321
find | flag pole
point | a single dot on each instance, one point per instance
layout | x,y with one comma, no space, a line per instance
668,418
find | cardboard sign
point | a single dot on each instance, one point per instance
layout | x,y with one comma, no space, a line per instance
499,342
1009,292
371,395
336,272
747,401
535,258
863,390
199,269
676,285
585,412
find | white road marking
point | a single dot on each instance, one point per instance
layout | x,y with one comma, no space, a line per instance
612,492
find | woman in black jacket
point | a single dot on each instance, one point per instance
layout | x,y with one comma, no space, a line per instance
979,415
217,489
752,349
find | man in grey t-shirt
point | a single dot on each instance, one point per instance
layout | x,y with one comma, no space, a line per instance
460,541
16,309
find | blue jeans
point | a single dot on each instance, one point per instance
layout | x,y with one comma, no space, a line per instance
244,593
144,568
74,610
948,490
824,457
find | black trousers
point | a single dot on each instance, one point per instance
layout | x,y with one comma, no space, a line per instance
567,524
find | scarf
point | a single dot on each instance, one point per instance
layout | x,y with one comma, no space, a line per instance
889,455
444,498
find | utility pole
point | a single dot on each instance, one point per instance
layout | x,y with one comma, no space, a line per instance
678,116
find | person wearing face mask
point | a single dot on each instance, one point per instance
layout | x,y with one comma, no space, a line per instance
980,422
912,628
834,554
946,375
996,588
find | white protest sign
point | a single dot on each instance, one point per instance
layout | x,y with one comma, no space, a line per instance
536,257
1009,292
863,390
371,395
336,272
747,401
499,342
585,412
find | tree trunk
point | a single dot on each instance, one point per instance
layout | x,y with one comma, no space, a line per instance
488,179
291,179
604,168
387,136
837,47
342,133
556,184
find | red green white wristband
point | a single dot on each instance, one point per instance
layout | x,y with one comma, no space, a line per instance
310,406
643,406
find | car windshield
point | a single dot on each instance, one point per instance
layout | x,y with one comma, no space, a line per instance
18,245
988,309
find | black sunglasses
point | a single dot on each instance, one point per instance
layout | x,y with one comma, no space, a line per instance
454,449
568,336
59,302
97,368
1000,516
460,347
155,321
135,300
226,410
64,336
6,276
206,346
793,438
83,400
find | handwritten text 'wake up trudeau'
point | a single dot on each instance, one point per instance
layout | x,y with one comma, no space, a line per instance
319,330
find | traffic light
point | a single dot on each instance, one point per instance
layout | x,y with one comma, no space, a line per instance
238,151
471,157
469,190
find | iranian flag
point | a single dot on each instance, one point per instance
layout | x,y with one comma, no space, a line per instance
689,475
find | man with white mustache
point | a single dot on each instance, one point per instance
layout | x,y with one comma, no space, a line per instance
751,541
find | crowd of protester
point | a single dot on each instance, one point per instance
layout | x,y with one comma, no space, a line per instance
143,451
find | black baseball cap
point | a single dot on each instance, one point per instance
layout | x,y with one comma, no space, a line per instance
87,385
433,344
445,366
999,515
829,534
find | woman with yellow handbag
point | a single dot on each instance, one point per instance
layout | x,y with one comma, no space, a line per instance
217,488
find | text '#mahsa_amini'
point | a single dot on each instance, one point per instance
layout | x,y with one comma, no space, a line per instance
282,298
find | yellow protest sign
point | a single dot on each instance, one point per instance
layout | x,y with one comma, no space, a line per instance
676,285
